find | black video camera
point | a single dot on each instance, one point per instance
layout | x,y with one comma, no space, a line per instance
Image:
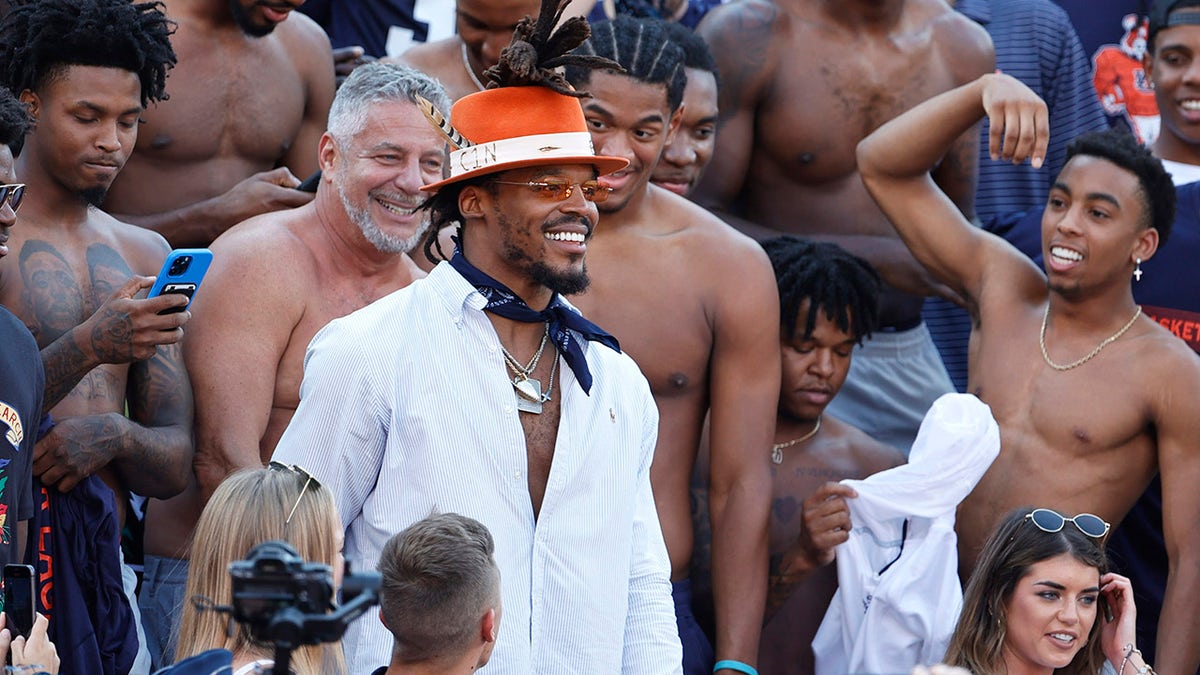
287,602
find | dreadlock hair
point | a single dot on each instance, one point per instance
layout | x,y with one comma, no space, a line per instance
39,39
843,286
1121,148
645,51
696,54
537,50
14,122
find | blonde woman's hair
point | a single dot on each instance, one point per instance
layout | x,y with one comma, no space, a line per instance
248,508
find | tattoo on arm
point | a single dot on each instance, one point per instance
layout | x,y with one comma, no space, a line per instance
65,365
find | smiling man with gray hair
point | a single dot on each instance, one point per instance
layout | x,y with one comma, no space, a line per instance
278,278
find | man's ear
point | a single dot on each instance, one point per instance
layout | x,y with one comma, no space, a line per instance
1146,244
471,201
33,103
673,125
382,620
488,626
328,153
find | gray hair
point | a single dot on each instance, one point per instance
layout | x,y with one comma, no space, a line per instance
378,82
439,577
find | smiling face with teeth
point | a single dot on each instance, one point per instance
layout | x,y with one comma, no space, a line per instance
1174,68
526,240
1050,614
378,173
1094,225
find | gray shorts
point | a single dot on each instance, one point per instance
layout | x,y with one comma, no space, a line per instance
161,604
894,380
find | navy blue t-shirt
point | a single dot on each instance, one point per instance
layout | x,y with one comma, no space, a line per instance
22,382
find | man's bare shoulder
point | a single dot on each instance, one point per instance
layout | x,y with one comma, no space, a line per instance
1165,358
301,35
696,227
742,36
144,249
431,56
268,247
964,44
867,453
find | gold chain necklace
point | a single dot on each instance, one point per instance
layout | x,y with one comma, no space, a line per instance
1094,352
778,448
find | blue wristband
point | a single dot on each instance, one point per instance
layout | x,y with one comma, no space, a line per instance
730,664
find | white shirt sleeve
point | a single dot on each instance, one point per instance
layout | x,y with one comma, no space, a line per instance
651,636
339,431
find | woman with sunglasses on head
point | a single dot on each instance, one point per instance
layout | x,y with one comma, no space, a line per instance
279,503
1037,600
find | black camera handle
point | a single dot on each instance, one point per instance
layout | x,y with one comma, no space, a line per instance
290,626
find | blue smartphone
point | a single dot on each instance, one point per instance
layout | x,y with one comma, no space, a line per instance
181,273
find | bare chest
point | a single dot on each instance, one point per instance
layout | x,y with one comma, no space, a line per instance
656,304
814,114
246,102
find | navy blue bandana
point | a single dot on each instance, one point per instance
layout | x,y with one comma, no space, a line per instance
561,319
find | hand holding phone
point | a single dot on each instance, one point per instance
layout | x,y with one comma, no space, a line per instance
181,273
19,599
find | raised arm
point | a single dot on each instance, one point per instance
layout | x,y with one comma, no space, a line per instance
1177,426
895,163
744,396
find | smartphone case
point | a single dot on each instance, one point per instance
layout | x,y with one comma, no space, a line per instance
181,273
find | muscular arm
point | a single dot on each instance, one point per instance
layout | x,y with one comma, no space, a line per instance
744,397
200,223
896,159
1178,649
315,62
151,450
738,36
245,318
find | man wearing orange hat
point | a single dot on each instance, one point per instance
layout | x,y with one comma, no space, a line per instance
480,391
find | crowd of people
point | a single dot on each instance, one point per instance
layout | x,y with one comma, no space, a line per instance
599,330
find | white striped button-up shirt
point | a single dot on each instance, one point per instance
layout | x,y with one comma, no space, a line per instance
406,408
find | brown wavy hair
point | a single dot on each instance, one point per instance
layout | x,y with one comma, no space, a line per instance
1014,547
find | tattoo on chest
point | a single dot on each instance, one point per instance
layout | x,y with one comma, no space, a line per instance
54,298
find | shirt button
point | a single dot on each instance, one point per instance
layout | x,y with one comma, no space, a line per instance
516,475
492,348
508,410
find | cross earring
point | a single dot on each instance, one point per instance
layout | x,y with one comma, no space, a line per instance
1137,271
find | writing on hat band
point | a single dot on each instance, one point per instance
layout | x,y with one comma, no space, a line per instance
522,148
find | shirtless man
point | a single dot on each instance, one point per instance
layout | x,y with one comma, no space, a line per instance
68,251
839,294
291,272
689,150
784,161
1050,348
248,103
483,27
706,337
815,450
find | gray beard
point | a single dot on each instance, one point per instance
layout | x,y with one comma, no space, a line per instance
382,241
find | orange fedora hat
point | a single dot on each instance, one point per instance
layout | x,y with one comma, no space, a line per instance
514,127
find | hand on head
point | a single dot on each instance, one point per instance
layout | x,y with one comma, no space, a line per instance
1115,635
